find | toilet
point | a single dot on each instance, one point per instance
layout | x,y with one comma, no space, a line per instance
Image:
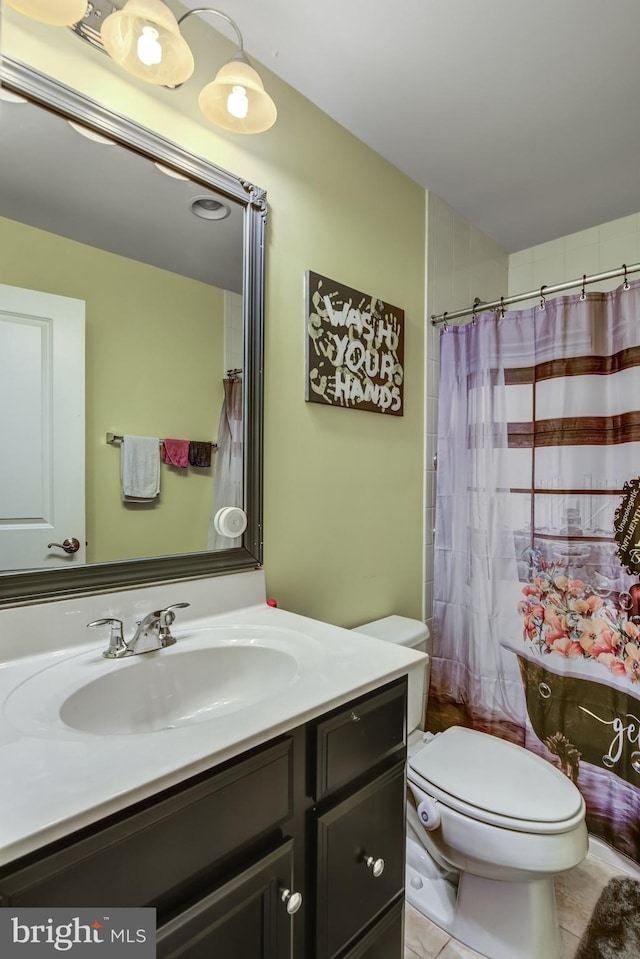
489,825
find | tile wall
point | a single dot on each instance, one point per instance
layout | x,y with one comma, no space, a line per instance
597,250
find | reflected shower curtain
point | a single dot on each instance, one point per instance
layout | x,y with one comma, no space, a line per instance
537,546
228,472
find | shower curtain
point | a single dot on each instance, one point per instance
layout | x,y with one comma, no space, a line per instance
537,544
228,472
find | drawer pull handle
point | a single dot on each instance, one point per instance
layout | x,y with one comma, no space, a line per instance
292,899
375,865
355,718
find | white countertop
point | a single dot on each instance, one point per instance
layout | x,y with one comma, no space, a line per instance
55,779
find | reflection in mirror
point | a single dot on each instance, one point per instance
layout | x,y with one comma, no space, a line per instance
130,315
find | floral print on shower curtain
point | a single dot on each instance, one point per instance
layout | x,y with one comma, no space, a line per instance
537,547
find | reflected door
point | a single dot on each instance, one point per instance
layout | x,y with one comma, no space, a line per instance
42,472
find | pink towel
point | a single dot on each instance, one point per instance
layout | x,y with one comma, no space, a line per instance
176,452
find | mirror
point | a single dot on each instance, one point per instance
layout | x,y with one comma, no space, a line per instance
148,370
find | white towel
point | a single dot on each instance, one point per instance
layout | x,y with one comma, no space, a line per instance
140,468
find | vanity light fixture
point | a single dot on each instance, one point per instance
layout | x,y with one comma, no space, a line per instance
8,96
144,38
168,171
90,134
60,13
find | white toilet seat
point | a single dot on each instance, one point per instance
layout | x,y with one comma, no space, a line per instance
496,782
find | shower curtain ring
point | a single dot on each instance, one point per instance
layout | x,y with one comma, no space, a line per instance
543,302
583,295
445,325
502,307
625,285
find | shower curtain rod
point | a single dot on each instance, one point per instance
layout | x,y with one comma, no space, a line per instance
478,307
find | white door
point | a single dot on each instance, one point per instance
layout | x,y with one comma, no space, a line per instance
42,472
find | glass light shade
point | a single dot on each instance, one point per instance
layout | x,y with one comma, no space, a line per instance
217,96
8,96
60,13
122,31
90,134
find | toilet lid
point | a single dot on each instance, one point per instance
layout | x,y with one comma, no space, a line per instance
496,776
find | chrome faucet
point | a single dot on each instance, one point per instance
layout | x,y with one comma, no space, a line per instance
152,632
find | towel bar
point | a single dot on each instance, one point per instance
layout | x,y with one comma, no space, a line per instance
115,438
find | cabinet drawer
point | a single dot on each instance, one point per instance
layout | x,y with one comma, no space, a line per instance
385,940
352,739
243,919
370,823
134,862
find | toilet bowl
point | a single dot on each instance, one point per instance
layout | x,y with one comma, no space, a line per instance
489,824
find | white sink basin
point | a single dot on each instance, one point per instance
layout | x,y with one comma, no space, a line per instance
155,691
208,674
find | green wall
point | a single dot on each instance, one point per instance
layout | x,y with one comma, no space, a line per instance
343,488
131,386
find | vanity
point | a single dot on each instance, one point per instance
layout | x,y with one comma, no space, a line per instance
217,855
267,829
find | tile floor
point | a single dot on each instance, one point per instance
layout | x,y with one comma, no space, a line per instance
576,892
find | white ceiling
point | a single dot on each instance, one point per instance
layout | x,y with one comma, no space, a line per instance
111,198
523,115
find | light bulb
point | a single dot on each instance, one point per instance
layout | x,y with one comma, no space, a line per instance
149,50
238,103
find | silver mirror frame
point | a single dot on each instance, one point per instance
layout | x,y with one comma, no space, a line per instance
36,586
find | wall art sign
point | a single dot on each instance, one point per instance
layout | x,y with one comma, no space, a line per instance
354,348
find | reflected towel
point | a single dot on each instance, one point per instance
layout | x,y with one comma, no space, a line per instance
140,468
176,453
199,453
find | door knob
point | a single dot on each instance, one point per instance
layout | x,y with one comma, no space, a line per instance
68,545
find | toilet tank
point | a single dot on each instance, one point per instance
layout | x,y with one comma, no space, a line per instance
414,634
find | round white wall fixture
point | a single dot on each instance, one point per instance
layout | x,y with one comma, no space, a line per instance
230,521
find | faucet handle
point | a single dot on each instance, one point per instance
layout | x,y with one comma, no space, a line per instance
116,638
166,617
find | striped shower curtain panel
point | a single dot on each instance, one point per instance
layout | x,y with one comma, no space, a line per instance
537,544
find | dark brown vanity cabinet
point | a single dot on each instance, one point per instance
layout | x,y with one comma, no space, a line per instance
225,856
356,839
359,754
244,917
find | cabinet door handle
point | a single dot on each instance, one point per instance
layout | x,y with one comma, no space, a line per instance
355,718
292,899
375,865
